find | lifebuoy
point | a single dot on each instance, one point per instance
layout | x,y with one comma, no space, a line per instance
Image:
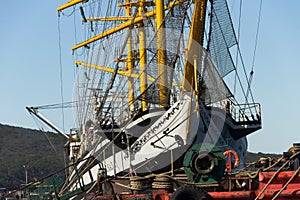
228,154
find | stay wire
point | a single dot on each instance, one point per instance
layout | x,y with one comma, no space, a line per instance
255,47
238,40
41,129
81,111
235,68
93,56
57,105
53,147
244,92
61,73
257,33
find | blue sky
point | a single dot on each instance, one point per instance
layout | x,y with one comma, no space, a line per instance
30,67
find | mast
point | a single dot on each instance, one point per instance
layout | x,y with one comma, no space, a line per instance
163,91
123,25
129,58
195,38
127,22
69,4
143,58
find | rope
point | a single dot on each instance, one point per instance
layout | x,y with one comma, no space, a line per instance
61,73
255,47
275,174
238,40
39,124
257,32
84,107
87,109
52,146
55,106
162,182
244,70
90,162
140,183
286,184
277,162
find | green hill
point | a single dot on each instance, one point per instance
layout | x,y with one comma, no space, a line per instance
40,152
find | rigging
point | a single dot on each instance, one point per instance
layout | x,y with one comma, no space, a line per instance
255,47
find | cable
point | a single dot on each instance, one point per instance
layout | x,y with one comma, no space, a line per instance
257,33
235,67
55,106
274,175
255,47
286,184
52,146
61,73
238,40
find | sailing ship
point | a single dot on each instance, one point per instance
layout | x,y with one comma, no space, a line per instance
155,79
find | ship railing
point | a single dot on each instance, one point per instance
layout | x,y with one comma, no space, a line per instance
250,112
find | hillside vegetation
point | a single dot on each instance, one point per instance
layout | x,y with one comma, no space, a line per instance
41,153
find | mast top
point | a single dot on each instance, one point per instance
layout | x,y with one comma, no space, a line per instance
70,4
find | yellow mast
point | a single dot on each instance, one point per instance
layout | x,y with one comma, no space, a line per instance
159,12
69,4
120,72
123,25
163,93
143,58
129,64
195,39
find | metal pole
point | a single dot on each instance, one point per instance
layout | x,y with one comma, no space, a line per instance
161,54
26,180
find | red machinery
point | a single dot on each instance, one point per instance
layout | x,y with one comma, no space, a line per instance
274,179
